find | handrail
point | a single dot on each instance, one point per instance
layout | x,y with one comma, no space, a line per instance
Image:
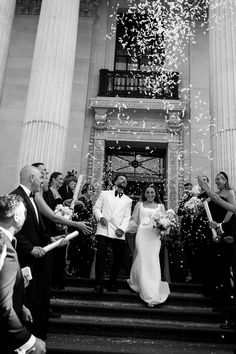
136,84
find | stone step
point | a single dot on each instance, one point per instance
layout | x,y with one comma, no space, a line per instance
82,344
122,284
137,310
147,328
124,295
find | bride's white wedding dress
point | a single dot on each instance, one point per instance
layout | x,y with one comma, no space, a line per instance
145,275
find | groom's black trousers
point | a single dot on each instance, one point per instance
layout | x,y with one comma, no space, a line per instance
117,246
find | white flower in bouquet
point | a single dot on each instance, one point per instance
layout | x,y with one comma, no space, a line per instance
193,205
171,215
65,212
164,221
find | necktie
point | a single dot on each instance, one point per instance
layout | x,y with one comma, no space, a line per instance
31,197
118,194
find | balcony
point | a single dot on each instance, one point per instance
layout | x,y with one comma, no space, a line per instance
134,84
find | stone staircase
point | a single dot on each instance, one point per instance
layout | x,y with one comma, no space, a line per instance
122,323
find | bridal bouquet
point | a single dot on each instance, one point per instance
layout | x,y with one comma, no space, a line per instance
193,206
165,222
65,212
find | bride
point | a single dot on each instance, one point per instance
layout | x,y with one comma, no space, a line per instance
145,275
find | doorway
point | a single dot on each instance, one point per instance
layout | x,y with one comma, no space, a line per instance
142,163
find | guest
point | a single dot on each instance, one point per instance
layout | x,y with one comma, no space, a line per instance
188,186
66,191
221,251
81,250
112,211
13,335
48,213
199,242
42,168
53,198
224,229
186,230
221,201
145,275
30,242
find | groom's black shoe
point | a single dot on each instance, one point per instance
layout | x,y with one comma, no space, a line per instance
98,289
112,288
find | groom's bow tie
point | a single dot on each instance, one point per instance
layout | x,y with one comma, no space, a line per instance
118,194
31,195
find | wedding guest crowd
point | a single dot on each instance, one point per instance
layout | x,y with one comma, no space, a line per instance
210,257
28,223
34,224
13,312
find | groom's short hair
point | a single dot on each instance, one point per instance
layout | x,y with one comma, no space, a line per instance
117,175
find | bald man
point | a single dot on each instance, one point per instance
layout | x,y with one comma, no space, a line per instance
30,242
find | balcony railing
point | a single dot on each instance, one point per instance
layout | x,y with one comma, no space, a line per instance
135,84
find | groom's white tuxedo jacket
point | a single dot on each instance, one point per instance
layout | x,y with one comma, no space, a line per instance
116,210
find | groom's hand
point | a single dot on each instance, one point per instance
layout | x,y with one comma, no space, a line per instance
103,221
119,233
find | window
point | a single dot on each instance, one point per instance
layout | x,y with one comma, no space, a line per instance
131,56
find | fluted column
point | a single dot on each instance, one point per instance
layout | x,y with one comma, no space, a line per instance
7,10
222,25
48,103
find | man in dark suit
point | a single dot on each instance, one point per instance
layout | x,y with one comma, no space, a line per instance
30,242
13,335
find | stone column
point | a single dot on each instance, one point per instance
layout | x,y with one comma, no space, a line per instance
222,25
100,126
174,158
48,103
7,10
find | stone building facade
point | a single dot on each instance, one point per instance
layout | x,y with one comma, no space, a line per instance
54,53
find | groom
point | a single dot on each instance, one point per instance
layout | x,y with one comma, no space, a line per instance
112,211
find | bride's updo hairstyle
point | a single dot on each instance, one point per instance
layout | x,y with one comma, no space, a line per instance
157,198
225,177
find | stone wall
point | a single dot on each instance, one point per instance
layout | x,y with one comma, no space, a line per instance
95,51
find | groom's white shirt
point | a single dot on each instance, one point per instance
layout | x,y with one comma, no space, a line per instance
116,210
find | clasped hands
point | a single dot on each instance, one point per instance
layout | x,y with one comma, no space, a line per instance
37,252
119,233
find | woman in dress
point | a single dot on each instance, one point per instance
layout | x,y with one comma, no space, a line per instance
221,251
53,198
145,275
200,242
82,250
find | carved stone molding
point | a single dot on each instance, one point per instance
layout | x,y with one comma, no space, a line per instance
174,122
88,8
100,118
136,103
28,7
